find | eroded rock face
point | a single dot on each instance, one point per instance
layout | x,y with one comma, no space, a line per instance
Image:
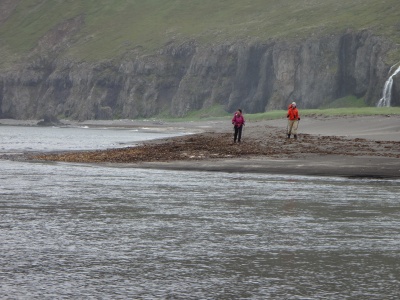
395,101
254,75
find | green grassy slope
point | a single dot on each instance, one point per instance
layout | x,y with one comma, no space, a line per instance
114,27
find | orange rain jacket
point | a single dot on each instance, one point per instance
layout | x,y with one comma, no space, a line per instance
293,113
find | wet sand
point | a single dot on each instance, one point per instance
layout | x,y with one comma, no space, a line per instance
362,147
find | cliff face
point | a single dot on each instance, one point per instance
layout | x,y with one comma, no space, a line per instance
255,76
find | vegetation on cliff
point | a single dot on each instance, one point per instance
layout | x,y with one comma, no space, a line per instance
99,59
110,28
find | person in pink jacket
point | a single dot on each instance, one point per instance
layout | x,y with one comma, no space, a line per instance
238,123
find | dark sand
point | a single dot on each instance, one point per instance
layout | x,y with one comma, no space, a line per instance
354,147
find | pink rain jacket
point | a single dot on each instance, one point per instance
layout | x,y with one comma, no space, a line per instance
238,121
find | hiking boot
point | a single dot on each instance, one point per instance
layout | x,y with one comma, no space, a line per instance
295,136
288,136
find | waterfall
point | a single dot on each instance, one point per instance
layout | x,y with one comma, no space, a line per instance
387,89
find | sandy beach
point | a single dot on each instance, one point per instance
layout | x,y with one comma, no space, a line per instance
354,147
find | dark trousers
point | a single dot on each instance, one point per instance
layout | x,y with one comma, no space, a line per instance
238,133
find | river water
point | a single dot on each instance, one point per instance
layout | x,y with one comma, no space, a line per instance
83,231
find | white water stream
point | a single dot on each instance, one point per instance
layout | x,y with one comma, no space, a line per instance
387,89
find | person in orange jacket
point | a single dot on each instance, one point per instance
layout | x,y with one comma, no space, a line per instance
238,123
293,120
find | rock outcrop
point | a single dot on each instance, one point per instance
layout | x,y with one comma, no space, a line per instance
254,75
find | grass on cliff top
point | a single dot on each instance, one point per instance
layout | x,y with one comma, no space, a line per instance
112,28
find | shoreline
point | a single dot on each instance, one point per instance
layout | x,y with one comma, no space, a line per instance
317,152
326,166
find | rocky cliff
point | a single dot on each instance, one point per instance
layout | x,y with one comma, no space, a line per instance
254,75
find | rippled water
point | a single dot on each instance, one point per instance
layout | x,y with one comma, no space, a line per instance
85,231
23,138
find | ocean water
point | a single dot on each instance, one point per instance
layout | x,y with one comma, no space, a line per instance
84,231
16,139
